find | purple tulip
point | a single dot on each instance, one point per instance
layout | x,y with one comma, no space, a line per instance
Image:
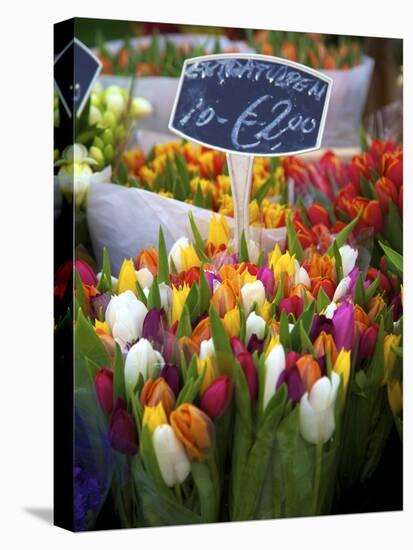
122,430
224,258
266,276
295,386
211,278
398,308
320,323
99,304
152,328
322,363
255,344
171,374
343,321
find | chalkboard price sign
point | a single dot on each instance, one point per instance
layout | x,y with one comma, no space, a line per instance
251,104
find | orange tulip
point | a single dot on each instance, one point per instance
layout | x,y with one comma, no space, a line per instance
309,371
326,284
188,347
194,429
231,276
224,299
158,391
361,321
149,259
321,267
323,342
201,332
375,305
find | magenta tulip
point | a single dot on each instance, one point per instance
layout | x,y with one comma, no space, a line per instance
216,397
291,359
343,321
237,346
266,276
293,305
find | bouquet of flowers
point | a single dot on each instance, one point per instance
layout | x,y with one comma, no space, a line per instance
227,388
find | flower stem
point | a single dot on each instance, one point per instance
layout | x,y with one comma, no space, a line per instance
178,493
317,478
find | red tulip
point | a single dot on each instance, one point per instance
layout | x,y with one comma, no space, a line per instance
250,370
373,217
386,192
318,214
216,397
328,285
368,341
104,389
86,274
391,166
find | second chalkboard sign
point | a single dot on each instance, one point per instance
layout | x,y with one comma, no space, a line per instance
251,104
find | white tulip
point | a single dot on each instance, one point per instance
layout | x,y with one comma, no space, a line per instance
348,258
301,277
254,325
274,365
141,359
175,253
125,315
170,453
252,293
330,309
342,289
144,277
116,103
317,422
206,349
165,292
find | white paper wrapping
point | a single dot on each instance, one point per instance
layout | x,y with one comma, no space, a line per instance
125,220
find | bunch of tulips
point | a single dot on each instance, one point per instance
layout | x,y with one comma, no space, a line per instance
199,176
228,389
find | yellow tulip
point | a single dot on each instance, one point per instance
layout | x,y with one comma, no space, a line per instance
127,277
265,311
210,372
284,264
189,258
395,396
154,417
179,297
232,322
101,327
218,231
389,355
274,256
342,366
254,211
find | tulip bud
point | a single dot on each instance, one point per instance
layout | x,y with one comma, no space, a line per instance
98,143
116,104
255,325
317,423
143,360
274,365
122,431
375,305
120,132
109,153
215,400
343,321
95,116
266,276
148,258
390,341
250,370
140,107
153,326
342,366
368,342
194,430
104,389
144,277
107,137
171,374
154,417
158,391
252,293
318,214
170,453
293,305
324,342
